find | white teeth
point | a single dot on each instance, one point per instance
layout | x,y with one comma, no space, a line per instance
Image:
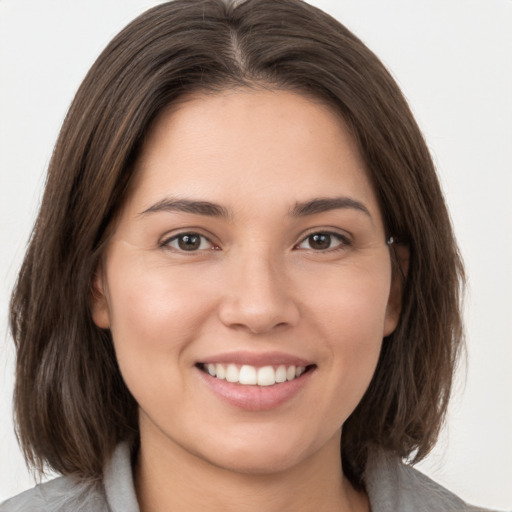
250,375
220,372
281,373
232,373
266,376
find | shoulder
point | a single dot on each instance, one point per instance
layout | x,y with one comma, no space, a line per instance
398,487
59,495
115,493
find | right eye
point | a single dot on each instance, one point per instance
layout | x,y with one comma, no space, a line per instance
324,241
188,242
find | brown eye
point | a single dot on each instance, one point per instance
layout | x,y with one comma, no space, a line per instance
320,241
323,242
189,242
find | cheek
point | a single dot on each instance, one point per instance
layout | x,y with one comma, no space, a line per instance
154,306
156,312
351,317
351,303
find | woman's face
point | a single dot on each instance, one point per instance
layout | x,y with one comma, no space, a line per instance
247,284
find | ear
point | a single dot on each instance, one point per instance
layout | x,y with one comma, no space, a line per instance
99,302
400,267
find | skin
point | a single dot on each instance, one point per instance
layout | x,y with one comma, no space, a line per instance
257,283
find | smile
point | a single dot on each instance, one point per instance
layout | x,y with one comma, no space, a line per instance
256,381
249,375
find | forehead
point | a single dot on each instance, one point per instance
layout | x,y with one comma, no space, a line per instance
245,145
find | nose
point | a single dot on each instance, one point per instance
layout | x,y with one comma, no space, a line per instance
258,296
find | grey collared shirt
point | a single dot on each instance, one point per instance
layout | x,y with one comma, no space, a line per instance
391,485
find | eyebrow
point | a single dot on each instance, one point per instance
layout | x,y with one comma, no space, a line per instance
188,206
324,204
301,209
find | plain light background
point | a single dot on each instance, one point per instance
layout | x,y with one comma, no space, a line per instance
453,60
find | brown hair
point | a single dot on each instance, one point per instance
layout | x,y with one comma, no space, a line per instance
71,403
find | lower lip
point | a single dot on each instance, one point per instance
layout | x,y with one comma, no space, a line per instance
256,398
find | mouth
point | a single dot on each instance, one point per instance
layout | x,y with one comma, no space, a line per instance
249,375
256,381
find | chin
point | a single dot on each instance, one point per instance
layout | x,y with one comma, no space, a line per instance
258,457
260,464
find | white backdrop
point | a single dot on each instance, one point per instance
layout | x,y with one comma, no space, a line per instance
453,60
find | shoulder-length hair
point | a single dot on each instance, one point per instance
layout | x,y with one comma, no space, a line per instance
71,403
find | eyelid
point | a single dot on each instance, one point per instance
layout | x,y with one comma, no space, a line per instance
344,239
327,230
168,238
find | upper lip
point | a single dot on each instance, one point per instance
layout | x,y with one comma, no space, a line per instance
257,359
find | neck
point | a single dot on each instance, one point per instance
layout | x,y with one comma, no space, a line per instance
168,477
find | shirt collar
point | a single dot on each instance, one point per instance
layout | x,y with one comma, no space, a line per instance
118,481
391,485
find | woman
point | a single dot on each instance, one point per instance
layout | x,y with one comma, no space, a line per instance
246,221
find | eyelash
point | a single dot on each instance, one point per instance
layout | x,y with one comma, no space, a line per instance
167,242
344,242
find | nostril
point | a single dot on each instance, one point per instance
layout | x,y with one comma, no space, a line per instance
258,309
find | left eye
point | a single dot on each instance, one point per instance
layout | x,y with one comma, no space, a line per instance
189,242
323,242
